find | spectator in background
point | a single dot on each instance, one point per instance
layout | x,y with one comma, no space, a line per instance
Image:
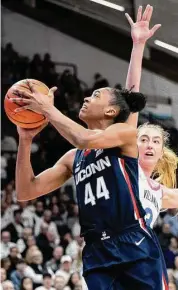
7,285
3,275
28,215
6,244
18,274
6,214
29,253
73,222
31,241
31,246
44,242
46,219
165,236
22,242
65,269
55,214
77,263
16,227
47,63
35,268
36,68
9,144
72,246
3,170
51,225
54,263
172,219
59,282
60,219
47,282
54,200
7,206
10,53
39,208
14,257
74,280
5,263
9,194
47,68
99,82
171,253
52,76
26,284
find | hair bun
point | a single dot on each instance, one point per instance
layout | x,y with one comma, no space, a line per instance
136,101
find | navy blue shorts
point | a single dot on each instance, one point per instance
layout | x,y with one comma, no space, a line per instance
131,261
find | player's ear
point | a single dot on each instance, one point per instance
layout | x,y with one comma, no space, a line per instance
111,112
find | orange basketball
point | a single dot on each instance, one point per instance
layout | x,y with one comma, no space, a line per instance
26,118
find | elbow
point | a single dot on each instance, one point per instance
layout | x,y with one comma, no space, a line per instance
25,196
27,191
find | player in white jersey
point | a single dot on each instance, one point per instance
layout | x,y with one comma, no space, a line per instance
156,159
154,155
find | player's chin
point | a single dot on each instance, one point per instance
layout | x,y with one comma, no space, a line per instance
150,161
82,115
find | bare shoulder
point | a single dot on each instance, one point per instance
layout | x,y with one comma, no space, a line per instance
67,159
123,126
125,131
128,134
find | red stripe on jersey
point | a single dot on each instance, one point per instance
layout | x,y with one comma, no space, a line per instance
166,287
132,194
87,151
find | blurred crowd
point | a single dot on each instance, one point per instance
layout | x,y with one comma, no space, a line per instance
41,246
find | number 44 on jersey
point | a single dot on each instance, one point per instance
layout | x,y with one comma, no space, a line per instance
101,191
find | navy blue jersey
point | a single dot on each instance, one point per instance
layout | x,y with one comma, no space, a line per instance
107,191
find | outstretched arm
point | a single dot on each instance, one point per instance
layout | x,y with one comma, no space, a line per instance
114,135
140,33
29,186
77,135
170,197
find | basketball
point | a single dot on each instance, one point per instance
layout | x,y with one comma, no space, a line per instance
26,118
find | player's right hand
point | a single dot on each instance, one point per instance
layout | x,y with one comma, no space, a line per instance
29,134
140,30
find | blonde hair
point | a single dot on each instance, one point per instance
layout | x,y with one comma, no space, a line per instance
165,169
29,254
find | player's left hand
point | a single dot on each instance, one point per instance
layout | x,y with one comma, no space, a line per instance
35,100
140,30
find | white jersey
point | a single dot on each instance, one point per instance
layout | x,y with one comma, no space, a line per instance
150,193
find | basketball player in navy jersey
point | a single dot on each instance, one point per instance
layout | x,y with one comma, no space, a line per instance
119,251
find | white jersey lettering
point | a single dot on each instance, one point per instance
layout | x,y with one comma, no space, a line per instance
92,169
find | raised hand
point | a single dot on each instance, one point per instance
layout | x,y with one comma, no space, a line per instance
140,30
35,100
29,134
